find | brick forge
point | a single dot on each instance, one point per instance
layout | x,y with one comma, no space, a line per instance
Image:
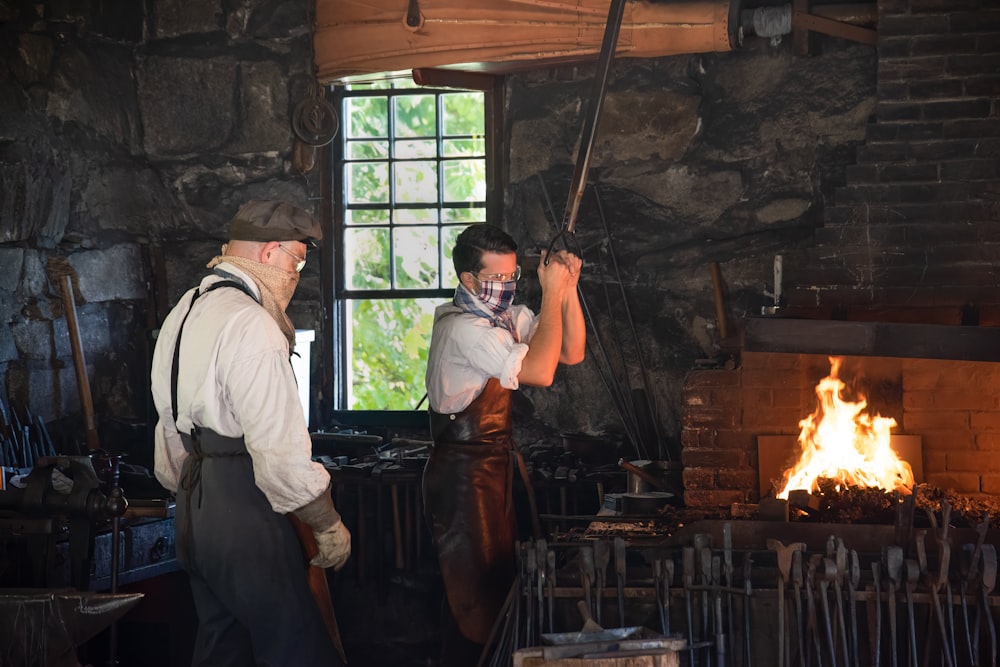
954,406
912,237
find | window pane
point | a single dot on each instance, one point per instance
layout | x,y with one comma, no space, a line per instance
415,148
463,147
463,113
367,150
472,214
356,216
412,216
366,258
416,257
416,116
416,182
367,182
366,117
390,339
464,180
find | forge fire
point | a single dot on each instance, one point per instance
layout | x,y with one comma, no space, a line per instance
842,442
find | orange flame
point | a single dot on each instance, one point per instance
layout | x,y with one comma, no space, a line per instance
842,443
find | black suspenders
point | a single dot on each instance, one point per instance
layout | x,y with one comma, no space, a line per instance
177,343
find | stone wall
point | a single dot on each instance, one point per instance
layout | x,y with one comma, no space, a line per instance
129,135
729,158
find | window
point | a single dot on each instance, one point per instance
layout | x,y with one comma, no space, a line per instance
409,176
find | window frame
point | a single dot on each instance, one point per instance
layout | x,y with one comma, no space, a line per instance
336,355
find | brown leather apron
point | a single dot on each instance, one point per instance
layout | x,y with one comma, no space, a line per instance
467,489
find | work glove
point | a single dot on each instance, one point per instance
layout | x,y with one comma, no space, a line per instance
332,537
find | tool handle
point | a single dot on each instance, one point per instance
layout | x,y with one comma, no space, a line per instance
318,585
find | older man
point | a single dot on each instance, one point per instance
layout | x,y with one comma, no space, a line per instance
232,443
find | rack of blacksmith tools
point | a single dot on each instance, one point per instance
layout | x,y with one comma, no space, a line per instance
924,600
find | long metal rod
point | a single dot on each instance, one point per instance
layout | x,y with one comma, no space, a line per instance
589,133
603,364
654,415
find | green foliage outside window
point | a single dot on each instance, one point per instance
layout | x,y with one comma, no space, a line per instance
414,175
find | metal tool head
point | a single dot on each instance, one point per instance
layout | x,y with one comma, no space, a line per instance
587,563
829,570
989,567
687,564
893,556
619,556
918,540
840,557
784,554
602,554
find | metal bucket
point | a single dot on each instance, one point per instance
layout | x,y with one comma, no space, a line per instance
656,476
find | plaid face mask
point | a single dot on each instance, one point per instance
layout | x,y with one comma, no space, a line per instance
497,295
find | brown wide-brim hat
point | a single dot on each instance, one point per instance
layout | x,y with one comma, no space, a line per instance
266,220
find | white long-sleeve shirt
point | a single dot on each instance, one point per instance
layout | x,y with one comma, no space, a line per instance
467,350
235,378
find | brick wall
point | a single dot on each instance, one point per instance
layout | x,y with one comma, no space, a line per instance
916,223
953,406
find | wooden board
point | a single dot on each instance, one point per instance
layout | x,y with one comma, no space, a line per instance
626,653
775,455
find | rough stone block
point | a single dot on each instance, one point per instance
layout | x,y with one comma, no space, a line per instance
12,260
111,274
95,335
186,104
34,278
34,338
49,393
179,17
8,349
267,125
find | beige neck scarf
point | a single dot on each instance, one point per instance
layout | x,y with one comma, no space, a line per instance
276,288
